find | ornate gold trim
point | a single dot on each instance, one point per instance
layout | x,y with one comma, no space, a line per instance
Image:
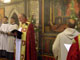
52,17
42,16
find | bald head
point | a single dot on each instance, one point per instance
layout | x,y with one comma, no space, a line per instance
71,23
22,15
22,18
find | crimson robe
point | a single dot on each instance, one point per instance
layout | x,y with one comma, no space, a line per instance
31,53
74,52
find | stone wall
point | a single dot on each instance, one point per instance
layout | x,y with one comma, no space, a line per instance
28,7
18,7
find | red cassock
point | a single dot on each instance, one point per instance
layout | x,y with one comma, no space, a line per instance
31,53
74,52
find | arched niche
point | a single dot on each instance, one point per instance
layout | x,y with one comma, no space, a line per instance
14,13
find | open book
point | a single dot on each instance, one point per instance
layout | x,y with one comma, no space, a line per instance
67,46
16,33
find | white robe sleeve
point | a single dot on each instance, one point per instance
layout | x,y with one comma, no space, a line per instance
16,27
56,46
1,28
12,27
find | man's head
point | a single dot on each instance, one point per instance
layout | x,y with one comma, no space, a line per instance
5,19
22,18
71,23
12,21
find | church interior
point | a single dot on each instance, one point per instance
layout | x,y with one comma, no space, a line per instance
48,16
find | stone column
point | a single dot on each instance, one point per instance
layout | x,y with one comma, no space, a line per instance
26,7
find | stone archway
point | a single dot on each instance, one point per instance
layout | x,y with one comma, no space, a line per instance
14,13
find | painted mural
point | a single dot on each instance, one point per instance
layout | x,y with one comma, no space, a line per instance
60,12
54,15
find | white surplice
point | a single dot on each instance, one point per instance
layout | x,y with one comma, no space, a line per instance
3,37
66,37
11,39
67,46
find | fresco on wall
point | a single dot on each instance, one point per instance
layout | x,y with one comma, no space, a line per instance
60,13
54,15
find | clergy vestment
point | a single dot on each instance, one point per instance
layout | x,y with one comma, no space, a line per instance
25,47
3,40
11,39
74,52
66,37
